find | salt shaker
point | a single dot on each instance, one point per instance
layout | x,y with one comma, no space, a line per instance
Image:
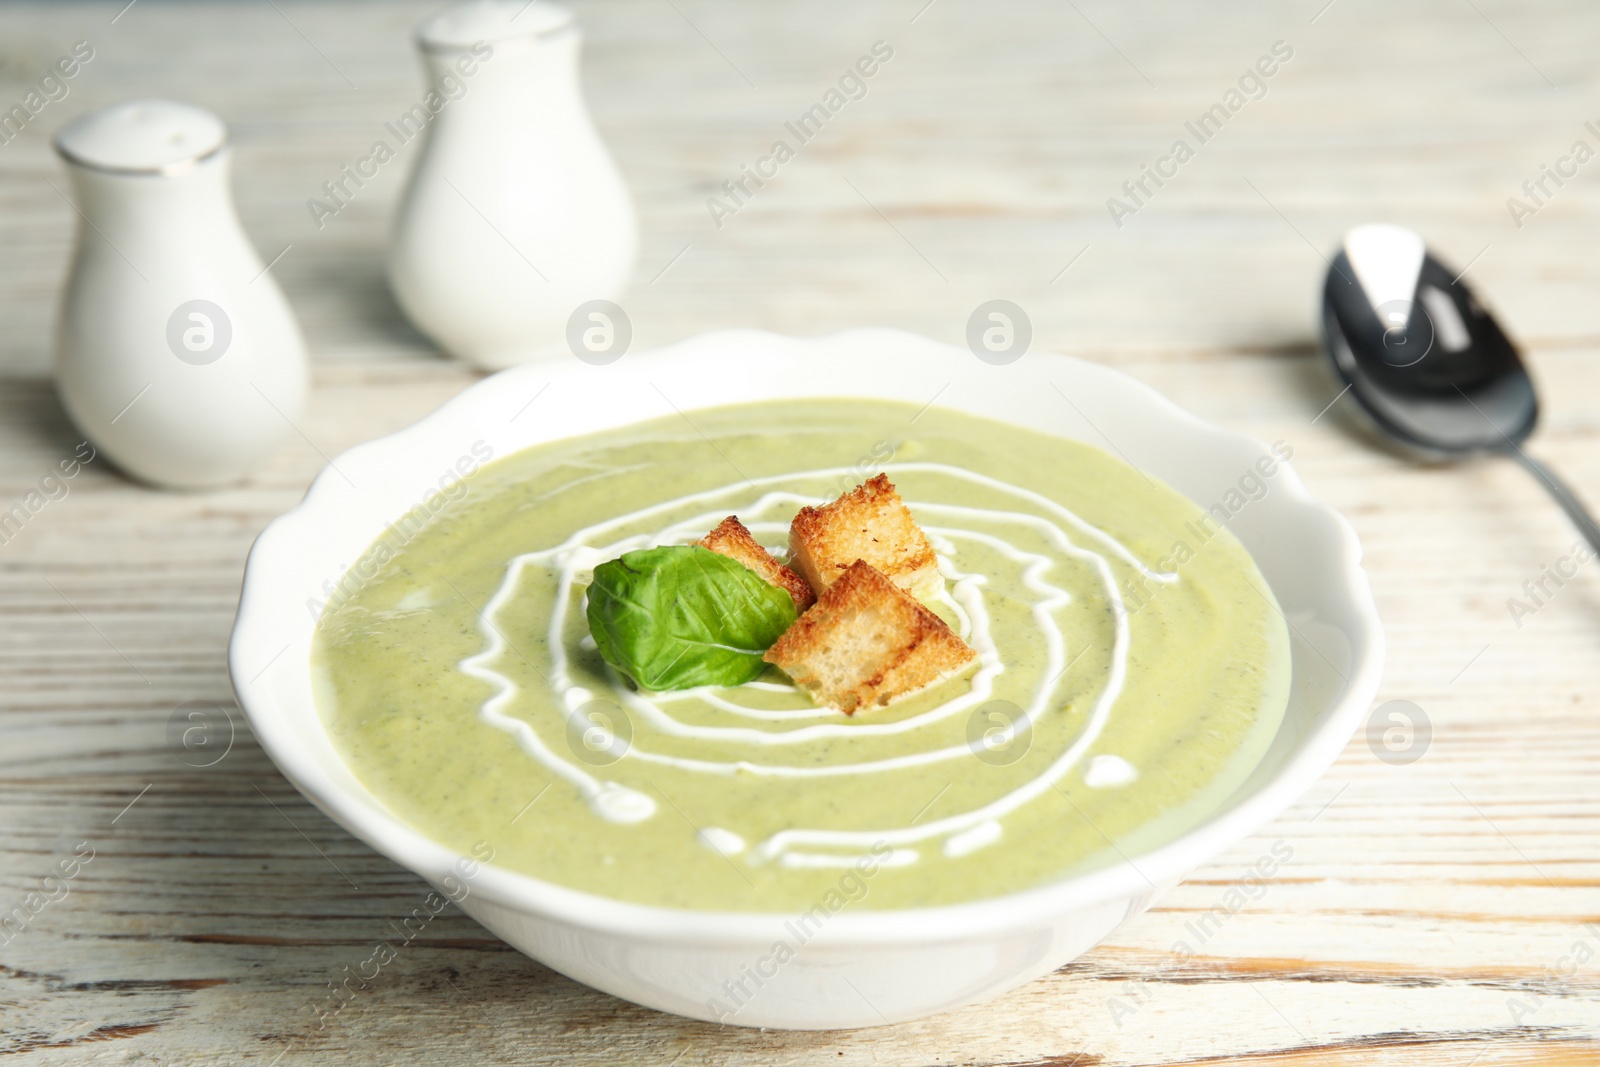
515,213
176,353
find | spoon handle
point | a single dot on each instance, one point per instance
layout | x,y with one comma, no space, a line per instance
1563,495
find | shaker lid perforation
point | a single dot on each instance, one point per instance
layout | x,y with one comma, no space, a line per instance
153,136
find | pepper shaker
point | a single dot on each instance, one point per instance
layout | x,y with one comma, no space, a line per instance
176,353
515,213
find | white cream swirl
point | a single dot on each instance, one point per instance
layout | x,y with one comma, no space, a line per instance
949,526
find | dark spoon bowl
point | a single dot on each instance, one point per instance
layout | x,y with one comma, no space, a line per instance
1443,390
1431,372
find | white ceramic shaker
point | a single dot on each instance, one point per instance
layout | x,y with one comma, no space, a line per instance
515,213
176,353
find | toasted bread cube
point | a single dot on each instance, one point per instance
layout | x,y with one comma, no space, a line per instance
869,522
867,643
733,540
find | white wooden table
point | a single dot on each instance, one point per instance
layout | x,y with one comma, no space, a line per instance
1430,912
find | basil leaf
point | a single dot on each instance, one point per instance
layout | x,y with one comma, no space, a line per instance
682,616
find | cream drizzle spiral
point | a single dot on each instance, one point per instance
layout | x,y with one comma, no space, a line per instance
961,833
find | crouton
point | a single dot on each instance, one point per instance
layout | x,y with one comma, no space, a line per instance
733,540
869,522
867,643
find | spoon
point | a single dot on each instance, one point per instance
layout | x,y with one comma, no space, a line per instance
1428,367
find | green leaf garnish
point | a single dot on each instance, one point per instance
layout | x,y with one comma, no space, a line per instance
682,616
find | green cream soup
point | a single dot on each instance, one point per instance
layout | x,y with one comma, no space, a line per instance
1133,669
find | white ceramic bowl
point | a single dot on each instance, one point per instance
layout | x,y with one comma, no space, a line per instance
863,968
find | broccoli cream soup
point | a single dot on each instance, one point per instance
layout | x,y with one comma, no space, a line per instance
1131,669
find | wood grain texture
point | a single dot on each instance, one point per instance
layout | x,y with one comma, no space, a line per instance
1431,914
